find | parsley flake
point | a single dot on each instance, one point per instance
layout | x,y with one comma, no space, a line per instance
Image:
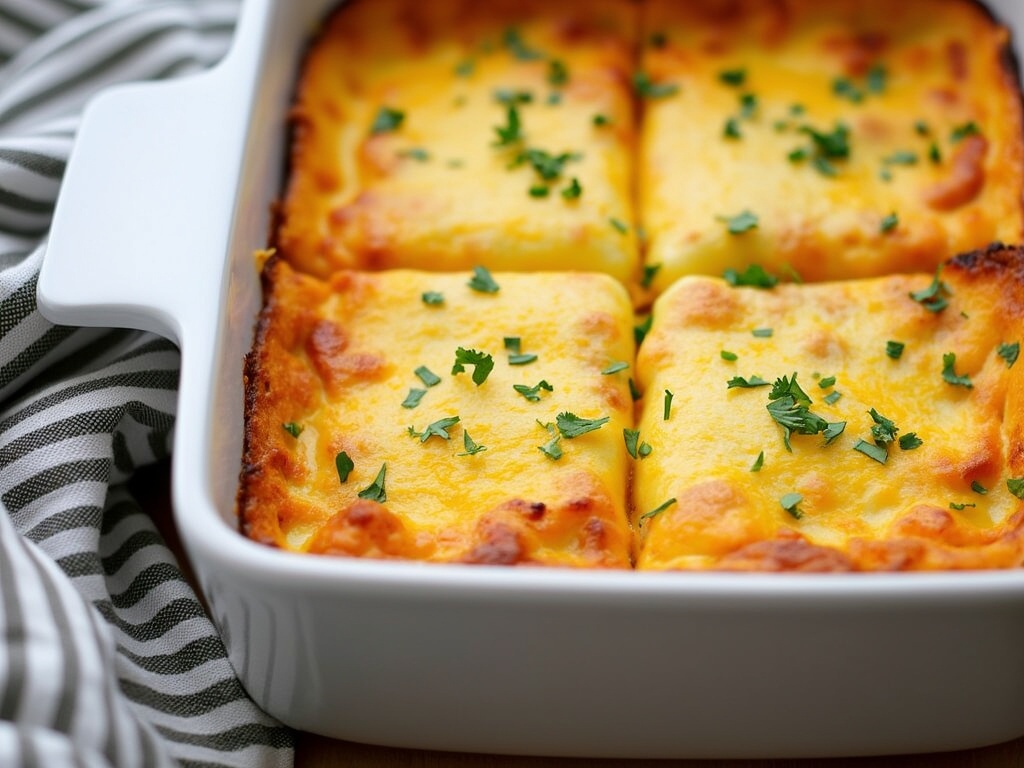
465,68
573,191
387,120
1009,353
667,411
427,376
884,431
876,452
514,44
656,511
876,78
413,398
894,349
731,129
949,374
650,271
432,298
889,223
762,333
833,430
551,448
751,383
482,281
758,463
615,367
978,488
754,276
558,74
292,428
633,391
731,357
618,225
1015,485
375,490
959,507
538,190
599,120
910,441
640,331
632,440
789,503
740,223
934,154
532,394
826,382
511,132
900,158
789,406
832,398
344,465
647,89
472,448
570,425
961,132
437,428
845,88
415,153
482,364
734,77
935,297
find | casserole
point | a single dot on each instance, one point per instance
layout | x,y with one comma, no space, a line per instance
482,659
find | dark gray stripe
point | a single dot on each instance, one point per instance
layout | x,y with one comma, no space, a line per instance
25,204
111,747
99,69
25,26
65,520
145,582
117,511
90,564
233,739
167,618
27,747
42,165
18,305
16,635
151,379
190,656
34,352
54,478
189,704
122,456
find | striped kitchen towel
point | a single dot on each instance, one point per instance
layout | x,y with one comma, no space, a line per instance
106,656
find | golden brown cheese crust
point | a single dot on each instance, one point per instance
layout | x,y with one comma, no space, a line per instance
945,504
927,93
436,191
335,360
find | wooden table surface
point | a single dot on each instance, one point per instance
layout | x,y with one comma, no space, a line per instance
151,486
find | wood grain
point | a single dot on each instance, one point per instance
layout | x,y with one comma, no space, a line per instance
151,487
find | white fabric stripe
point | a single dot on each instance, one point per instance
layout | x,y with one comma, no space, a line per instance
213,722
174,640
79,448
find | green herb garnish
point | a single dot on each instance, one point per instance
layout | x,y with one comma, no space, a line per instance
482,282
1009,353
894,349
731,357
731,129
615,367
762,333
427,376
387,120
472,448
935,297
292,428
667,411
978,487
375,490
533,393
640,331
884,431
961,132
754,276
740,382
573,191
910,441
740,223
826,382
1015,485
647,89
650,271
514,44
889,223
432,298
733,76
949,374
876,452
618,225
758,463
344,465
511,132
413,398
656,511
789,503
482,364
831,398
570,425
437,428
959,507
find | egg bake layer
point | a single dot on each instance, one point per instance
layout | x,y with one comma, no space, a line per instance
843,139
870,424
448,417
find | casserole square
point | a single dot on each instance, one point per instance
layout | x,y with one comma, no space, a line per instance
910,454
444,135
861,137
442,417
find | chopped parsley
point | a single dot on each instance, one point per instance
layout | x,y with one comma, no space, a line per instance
731,357
634,447
790,406
427,376
735,77
833,430
640,331
432,298
292,428
413,398
465,68
1015,485
647,89
650,271
754,276
826,382
482,364
615,367
731,129
570,425
533,393
573,191
656,511
633,391
894,349
511,132
889,223
949,374
387,120
514,44
758,463
762,333
509,97
845,88
910,441
934,154
884,431
658,40
961,132
876,452
437,428
790,503
549,167
978,488
516,357
748,105
740,223
618,225
558,74
876,78
959,507
668,405
832,398
538,190
344,465
739,381
415,153
935,297
472,448
522,358
1009,353
482,281
900,158
834,145
551,448
599,120
375,490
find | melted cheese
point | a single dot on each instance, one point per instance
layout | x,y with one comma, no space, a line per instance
337,359
437,193
856,513
943,65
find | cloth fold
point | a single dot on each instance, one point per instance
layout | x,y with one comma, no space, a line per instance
106,655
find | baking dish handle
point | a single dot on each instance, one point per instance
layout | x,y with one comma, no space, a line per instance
142,220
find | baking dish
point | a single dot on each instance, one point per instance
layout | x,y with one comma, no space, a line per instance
167,195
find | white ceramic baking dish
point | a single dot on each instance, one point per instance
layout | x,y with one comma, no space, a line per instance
166,197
